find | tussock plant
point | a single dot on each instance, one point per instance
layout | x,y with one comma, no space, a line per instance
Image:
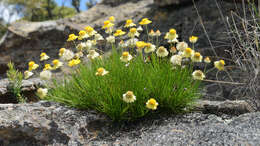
137,78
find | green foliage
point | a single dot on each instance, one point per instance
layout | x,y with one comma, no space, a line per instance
15,81
40,10
174,89
3,29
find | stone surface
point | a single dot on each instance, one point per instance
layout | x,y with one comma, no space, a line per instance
162,3
51,124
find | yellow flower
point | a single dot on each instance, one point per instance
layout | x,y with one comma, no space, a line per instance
57,64
196,57
145,21
27,74
32,65
129,23
90,31
42,92
47,67
119,32
207,60
44,56
101,72
82,35
126,57
219,64
61,51
112,19
198,75
133,32
171,36
107,24
188,52
152,104
140,45
193,39
72,37
162,52
149,48
129,97
74,62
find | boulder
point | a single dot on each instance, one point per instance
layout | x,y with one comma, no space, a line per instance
163,3
52,124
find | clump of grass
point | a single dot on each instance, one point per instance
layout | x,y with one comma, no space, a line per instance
136,79
173,89
15,82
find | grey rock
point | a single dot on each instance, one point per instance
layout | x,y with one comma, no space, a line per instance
52,124
163,3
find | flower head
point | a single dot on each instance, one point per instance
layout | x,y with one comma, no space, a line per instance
45,75
157,33
129,23
79,54
176,60
27,74
111,39
67,55
72,37
44,56
152,33
152,104
42,92
74,62
149,48
207,60
119,32
61,51
98,37
57,64
171,36
47,67
181,46
219,64
112,19
92,54
133,33
82,34
140,45
129,97
139,28
32,65
162,52
198,75
196,57
90,31
126,57
173,50
188,52
145,21
107,24
193,39
101,72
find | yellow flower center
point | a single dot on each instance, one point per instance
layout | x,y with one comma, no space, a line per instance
133,30
152,101
100,70
188,50
125,54
62,50
31,63
82,33
161,49
198,73
129,21
43,54
112,18
172,31
47,66
89,29
106,22
222,62
197,55
55,62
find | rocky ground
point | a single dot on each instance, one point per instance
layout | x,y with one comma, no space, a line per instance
47,123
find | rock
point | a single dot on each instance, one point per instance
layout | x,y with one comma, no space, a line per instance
29,88
51,124
163,3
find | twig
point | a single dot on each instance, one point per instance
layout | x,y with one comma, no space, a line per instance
225,82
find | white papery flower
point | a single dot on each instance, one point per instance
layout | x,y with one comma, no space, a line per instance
111,39
131,42
98,37
67,55
176,59
126,57
27,74
162,52
149,48
129,97
45,75
92,54
181,46
42,92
